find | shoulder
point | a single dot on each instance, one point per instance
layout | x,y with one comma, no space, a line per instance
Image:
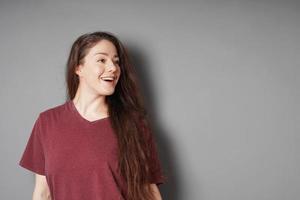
53,112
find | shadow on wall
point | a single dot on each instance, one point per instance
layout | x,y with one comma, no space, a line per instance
172,188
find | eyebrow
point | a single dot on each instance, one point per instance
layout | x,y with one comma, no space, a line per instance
105,54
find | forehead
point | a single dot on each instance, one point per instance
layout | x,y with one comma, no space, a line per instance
104,46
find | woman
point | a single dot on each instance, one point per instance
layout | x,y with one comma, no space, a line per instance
99,143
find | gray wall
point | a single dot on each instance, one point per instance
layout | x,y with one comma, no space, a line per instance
221,80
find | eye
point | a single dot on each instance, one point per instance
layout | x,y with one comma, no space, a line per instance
102,60
117,61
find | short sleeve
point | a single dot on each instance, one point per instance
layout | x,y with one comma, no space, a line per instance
157,175
33,157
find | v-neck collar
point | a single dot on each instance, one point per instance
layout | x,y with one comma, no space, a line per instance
81,118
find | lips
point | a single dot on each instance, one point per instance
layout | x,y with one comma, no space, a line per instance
108,78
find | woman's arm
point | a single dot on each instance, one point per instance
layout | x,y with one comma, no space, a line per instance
156,192
41,189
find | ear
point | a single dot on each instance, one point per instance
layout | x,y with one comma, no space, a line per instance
78,70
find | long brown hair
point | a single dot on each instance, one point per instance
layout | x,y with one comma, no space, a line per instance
127,114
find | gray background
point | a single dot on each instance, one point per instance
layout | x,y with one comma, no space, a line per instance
221,80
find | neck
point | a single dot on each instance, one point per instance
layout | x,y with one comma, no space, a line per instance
93,106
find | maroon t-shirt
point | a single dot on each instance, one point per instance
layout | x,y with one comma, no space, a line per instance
79,157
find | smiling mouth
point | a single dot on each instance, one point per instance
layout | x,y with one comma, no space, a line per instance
108,78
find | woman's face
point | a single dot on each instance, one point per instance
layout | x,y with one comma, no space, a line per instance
100,70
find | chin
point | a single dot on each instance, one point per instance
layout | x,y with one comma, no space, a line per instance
107,93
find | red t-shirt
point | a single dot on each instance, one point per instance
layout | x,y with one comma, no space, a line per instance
79,157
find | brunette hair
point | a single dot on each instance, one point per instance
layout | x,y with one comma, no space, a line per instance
127,113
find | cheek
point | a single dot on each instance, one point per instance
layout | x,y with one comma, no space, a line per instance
119,71
96,70
119,74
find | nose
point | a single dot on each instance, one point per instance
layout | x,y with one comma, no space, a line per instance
111,66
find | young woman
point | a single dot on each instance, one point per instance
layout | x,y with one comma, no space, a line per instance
98,145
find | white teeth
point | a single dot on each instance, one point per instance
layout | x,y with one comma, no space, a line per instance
110,78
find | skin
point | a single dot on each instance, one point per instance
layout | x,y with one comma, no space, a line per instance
90,97
41,190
